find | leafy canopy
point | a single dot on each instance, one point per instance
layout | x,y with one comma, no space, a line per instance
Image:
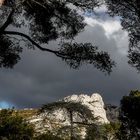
36,22
129,116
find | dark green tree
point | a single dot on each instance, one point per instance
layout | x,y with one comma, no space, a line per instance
36,22
14,127
71,108
95,132
129,116
103,131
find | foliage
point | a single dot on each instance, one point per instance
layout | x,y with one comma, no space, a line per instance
95,132
129,116
14,127
79,53
9,52
129,14
47,136
103,131
112,130
49,20
27,113
70,107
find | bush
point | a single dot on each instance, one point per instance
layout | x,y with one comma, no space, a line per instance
47,136
14,127
103,132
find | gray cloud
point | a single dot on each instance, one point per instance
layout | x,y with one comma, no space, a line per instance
41,77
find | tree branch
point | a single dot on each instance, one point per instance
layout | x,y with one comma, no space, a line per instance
29,39
7,22
86,124
57,53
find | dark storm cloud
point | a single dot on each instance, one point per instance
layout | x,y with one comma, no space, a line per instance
41,77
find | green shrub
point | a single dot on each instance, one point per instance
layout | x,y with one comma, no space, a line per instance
47,136
14,127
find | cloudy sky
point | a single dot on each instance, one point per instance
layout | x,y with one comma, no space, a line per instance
41,77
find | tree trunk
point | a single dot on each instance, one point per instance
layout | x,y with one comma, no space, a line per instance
71,128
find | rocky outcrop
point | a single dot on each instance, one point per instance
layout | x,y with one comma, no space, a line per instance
112,112
58,119
94,103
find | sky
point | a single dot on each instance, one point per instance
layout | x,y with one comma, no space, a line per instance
41,77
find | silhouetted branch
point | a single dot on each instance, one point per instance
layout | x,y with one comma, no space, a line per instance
75,54
7,22
49,20
29,39
86,124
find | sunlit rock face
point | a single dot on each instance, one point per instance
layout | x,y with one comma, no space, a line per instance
59,118
94,102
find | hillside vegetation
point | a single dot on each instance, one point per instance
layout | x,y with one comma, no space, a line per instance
20,124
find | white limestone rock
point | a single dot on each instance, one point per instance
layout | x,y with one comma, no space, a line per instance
59,118
94,102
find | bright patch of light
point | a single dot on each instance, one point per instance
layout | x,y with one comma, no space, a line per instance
122,42
113,30
110,26
101,9
4,104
